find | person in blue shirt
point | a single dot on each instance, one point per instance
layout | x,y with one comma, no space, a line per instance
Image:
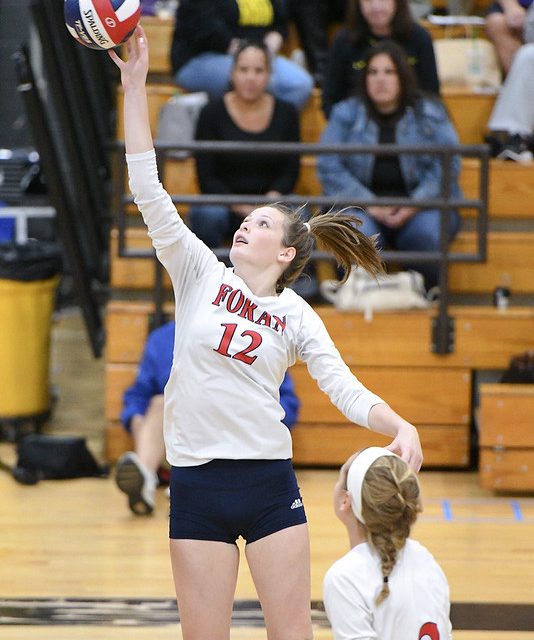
142,416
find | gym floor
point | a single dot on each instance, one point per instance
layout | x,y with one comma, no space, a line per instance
75,564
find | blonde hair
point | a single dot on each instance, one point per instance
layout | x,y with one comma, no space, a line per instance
391,502
336,231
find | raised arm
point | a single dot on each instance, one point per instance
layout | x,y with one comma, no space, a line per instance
181,253
137,134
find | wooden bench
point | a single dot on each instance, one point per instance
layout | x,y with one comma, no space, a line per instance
323,435
127,326
469,112
510,262
506,436
511,188
443,421
391,354
159,32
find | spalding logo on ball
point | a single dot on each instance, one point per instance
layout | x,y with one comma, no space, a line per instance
101,24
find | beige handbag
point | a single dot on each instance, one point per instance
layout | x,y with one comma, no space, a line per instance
389,292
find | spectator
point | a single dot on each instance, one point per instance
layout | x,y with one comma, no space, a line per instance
247,113
142,416
511,123
311,19
208,33
368,23
505,22
387,586
389,111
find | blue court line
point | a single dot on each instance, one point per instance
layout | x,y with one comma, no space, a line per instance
529,502
447,504
516,507
493,519
447,511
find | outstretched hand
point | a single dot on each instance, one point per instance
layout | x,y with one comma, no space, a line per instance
134,70
407,445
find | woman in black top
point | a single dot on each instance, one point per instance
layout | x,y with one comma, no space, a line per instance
369,22
247,113
208,33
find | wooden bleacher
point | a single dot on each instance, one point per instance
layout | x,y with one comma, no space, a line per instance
510,261
511,188
510,253
469,112
391,354
506,436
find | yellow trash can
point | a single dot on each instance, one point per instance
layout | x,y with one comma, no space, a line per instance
25,322
28,281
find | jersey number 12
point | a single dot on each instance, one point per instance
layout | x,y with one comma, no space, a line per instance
243,355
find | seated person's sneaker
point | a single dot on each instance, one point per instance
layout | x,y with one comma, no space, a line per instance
137,482
516,148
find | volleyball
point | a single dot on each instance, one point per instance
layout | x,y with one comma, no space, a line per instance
101,24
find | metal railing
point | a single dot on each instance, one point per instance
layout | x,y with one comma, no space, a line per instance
442,325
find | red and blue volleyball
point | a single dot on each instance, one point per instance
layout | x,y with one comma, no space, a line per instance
101,24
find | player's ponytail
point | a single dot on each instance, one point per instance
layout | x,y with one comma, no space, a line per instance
336,232
390,504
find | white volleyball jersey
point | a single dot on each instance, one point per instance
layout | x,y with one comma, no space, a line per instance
232,348
417,607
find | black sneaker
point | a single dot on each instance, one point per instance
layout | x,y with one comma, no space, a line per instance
137,482
495,143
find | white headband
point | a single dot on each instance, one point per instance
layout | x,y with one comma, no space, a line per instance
359,467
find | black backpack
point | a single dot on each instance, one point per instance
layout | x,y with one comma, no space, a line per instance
43,457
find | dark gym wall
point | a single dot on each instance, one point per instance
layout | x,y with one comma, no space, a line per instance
14,31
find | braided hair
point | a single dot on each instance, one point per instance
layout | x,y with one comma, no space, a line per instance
390,504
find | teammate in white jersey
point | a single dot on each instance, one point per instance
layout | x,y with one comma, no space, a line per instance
388,586
237,332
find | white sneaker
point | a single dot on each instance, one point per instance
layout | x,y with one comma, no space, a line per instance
517,156
137,482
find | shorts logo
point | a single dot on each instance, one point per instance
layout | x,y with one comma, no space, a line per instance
297,503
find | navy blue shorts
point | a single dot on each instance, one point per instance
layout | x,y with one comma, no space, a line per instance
224,499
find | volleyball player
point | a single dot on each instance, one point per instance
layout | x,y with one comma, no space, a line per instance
388,586
237,331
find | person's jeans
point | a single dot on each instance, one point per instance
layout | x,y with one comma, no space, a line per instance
210,72
420,233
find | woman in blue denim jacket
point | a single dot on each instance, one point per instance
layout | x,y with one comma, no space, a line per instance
389,110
